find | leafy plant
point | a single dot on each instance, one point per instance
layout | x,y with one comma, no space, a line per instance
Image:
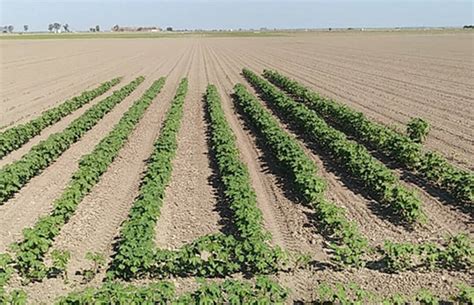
466,295
263,291
15,297
135,253
425,297
456,253
98,261
211,255
14,176
350,245
339,293
417,130
431,166
37,240
13,138
382,183
60,260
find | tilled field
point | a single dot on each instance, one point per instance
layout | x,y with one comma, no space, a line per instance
390,77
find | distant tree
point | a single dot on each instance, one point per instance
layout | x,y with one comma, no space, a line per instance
4,29
50,27
66,27
92,29
169,29
25,27
115,28
10,28
97,28
56,27
468,27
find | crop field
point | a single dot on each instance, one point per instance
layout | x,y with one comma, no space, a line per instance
299,168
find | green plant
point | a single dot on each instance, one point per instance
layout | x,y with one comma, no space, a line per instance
382,183
60,260
211,255
458,253
417,130
425,297
6,268
13,138
350,245
14,176
37,240
339,293
430,166
234,292
135,253
466,294
98,262
455,253
15,297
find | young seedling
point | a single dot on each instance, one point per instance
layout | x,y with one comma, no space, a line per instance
60,259
417,130
98,261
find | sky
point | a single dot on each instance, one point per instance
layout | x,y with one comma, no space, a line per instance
234,14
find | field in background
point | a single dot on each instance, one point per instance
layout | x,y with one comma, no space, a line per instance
389,76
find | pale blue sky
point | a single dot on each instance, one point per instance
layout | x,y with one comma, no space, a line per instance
227,14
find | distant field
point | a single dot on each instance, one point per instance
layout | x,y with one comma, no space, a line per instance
112,35
131,35
389,76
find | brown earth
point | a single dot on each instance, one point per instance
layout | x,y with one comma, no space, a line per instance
388,76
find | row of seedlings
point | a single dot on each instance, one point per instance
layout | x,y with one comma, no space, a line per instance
30,252
15,175
431,166
380,181
210,255
348,244
13,138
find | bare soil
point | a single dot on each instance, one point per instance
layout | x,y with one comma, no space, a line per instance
391,77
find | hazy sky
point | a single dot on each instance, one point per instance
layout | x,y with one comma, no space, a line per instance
202,14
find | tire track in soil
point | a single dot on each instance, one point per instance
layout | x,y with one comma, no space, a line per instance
191,208
442,219
98,218
36,198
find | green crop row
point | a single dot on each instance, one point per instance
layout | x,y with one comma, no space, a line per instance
433,167
349,246
15,175
352,294
6,271
232,292
135,254
13,138
37,240
457,253
354,158
210,255
249,250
